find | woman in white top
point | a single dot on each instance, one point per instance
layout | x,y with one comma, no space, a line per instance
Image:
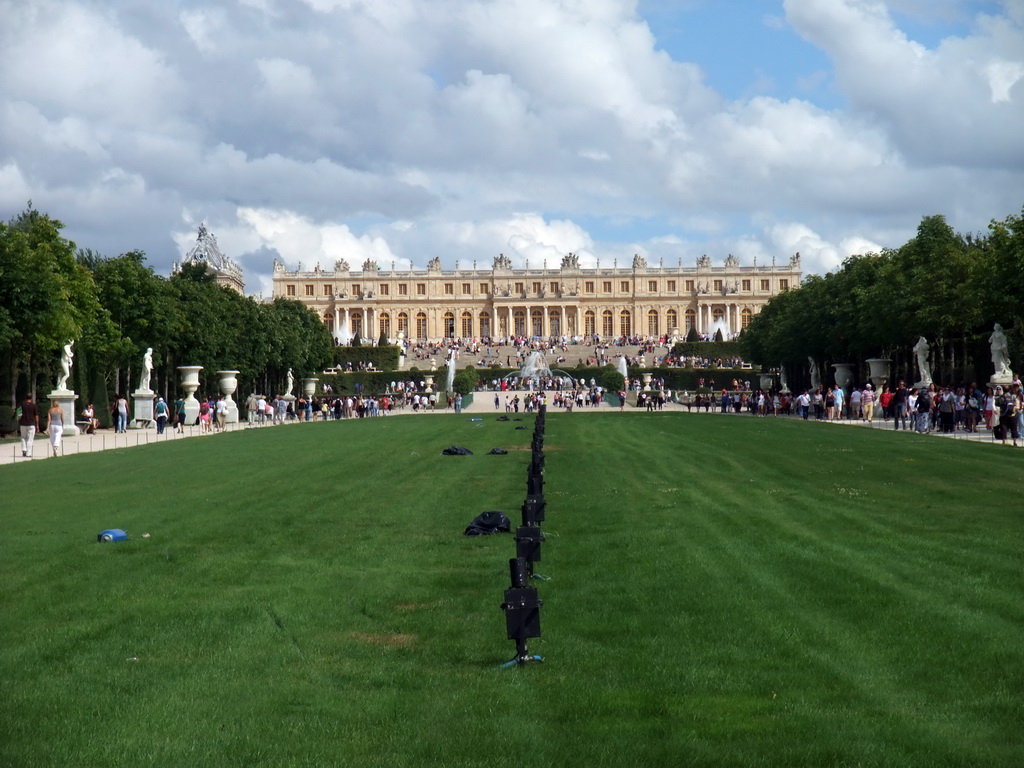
55,426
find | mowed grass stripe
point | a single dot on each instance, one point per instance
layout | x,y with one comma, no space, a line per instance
724,591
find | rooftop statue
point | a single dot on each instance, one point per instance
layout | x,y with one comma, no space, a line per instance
570,261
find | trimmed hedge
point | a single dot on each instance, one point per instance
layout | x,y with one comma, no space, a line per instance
712,350
377,382
382,358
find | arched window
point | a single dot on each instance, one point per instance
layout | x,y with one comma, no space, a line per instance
329,321
555,322
589,323
745,317
671,320
691,320
384,323
485,325
537,323
421,326
467,325
625,323
448,326
652,323
607,323
519,320
403,323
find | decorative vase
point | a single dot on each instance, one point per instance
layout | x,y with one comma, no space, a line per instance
767,380
309,387
228,383
844,375
429,381
878,368
189,385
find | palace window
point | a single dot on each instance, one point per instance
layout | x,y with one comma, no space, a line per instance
766,285
536,288
421,325
519,321
309,290
652,286
384,323
671,320
746,285
289,290
483,288
448,325
606,286
449,289
537,322
328,290
553,287
671,286
403,323
589,323
652,323
485,324
691,319
421,289
555,322
783,285
467,324
625,323
467,289
384,287
588,286
520,287
355,290
624,286
717,285
745,317
329,321
689,286
607,323
403,289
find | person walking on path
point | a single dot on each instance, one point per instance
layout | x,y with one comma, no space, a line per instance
55,427
28,425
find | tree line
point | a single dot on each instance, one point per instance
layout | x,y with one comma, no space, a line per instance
114,308
945,286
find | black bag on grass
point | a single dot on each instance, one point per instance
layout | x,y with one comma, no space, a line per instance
457,450
487,523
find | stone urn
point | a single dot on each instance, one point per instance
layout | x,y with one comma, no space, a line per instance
647,381
767,380
878,372
844,375
189,385
228,383
429,381
309,387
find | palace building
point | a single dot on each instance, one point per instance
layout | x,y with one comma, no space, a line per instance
434,304
207,253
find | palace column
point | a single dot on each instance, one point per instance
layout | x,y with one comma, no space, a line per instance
579,321
562,330
368,333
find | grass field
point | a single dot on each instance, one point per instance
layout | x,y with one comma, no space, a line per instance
723,591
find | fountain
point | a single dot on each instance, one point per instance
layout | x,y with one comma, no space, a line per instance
535,371
621,366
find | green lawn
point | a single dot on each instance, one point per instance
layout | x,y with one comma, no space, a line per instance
723,591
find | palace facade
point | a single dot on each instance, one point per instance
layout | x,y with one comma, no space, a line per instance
434,304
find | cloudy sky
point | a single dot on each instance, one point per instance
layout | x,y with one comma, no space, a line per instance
312,130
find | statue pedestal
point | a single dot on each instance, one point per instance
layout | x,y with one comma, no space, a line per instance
1001,380
65,398
142,415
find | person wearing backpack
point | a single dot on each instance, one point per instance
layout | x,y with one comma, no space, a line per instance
161,415
1007,405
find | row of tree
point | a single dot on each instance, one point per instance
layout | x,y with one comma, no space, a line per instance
115,308
949,288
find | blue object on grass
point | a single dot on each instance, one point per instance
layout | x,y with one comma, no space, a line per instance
112,534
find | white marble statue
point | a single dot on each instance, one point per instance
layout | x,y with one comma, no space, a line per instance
147,370
291,382
783,383
813,368
921,350
66,361
1000,354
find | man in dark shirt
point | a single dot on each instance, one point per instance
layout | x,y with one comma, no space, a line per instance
28,424
899,406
